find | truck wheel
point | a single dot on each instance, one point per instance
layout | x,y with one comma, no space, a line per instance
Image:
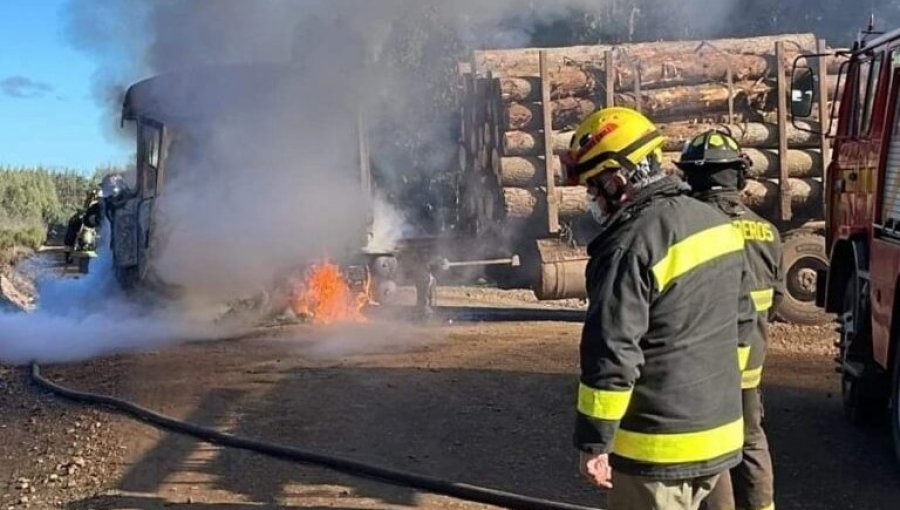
804,253
862,393
385,292
384,267
895,404
127,277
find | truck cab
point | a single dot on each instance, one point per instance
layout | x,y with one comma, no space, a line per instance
178,120
863,225
131,211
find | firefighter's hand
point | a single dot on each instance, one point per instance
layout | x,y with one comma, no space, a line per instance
595,467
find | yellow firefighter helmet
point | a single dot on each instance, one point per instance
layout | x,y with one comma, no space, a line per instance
611,138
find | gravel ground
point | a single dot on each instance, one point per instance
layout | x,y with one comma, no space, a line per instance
487,403
52,453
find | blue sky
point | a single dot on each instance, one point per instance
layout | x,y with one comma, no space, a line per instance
47,114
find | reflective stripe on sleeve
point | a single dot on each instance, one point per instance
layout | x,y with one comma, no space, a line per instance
743,357
695,251
763,299
680,448
603,404
751,378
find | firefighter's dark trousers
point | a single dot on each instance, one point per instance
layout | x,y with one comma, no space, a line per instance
749,485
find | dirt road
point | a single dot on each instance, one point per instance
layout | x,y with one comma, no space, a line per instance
487,403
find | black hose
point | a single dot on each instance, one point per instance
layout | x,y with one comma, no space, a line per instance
457,490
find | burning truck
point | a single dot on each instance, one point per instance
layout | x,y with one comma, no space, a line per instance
211,121
178,119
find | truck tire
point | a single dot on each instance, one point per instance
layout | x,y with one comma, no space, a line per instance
127,277
385,292
384,267
803,253
863,392
895,404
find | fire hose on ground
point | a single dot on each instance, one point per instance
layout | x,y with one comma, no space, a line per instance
449,488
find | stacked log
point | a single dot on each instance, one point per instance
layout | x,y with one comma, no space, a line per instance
523,62
806,196
525,143
523,204
687,87
752,134
801,163
531,203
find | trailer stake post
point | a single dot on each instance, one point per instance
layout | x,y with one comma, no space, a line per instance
784,185
552,199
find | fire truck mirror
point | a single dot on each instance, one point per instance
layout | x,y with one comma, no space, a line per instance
803,92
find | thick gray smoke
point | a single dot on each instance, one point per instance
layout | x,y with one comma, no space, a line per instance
259,188
268,186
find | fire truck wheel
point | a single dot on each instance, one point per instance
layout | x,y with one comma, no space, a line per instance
862,391
895,404
803,254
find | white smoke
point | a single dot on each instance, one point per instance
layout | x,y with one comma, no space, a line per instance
79,319
388,227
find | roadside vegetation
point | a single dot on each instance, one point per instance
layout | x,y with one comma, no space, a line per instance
37,202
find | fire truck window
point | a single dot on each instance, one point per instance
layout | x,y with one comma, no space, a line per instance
868,85
890,212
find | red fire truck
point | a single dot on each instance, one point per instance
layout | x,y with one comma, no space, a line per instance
862,212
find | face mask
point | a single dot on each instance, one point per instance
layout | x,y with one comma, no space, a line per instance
600,216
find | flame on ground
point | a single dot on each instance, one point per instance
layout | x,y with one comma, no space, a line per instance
325,296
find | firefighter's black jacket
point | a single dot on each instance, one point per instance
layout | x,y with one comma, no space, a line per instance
762,247
669,309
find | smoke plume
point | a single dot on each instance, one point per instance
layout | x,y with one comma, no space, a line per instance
272,181
255,187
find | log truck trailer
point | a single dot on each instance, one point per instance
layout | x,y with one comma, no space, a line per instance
520,105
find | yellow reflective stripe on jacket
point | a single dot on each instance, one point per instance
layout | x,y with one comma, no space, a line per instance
695,251
743,357
763,299
751,378
603,404
680,448
770,507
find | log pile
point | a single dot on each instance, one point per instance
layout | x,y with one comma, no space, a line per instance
686,87
761,195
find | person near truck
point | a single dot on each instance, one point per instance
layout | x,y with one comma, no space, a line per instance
715,169
73,228
82,227
658,407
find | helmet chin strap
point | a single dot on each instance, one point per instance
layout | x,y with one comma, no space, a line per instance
616,187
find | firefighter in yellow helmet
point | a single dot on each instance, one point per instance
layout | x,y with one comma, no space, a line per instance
715,169
659,408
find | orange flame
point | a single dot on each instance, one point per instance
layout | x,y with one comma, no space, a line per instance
325,296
